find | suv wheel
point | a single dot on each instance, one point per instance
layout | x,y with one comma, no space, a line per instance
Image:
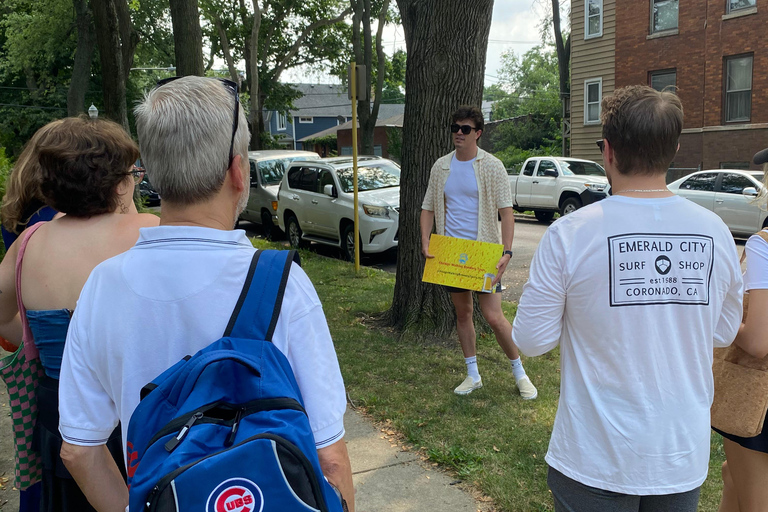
294,233
348,243
266,225
544,216
570,205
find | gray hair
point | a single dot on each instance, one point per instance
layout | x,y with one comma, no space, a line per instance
185,129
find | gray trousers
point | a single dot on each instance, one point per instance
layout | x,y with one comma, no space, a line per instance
572,496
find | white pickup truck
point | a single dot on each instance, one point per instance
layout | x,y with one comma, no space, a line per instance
548,184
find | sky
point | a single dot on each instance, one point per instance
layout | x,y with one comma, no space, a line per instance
515,26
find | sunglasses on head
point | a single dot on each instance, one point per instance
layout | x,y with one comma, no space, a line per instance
231,87
465,128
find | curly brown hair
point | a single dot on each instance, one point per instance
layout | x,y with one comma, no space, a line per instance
470,112
82,161
643,127
22,189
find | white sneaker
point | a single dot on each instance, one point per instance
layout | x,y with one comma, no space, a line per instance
527,389
468,386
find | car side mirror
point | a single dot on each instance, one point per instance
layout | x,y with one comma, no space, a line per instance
551,173
750,192
330,190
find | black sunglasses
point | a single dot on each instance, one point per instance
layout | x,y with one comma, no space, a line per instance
465,128
231,87
601,144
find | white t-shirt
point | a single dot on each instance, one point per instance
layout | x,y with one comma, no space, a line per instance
461,199
169,296
636,292
756,276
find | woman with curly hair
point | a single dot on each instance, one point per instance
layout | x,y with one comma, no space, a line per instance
86,169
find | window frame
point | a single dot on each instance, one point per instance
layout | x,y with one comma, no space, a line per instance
728,9
726,60
587,83
715,175
660,72
281,121
741,176
306,119
652,29
599,33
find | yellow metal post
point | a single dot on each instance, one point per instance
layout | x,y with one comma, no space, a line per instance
353,88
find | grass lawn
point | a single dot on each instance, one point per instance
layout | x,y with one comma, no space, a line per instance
491,438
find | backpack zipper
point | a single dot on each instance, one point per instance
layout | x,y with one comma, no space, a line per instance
252,407
295,451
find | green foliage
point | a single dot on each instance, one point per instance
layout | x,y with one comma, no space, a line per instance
494,93
330,141
395,143
394,81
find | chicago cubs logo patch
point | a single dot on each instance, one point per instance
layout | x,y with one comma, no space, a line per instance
235,495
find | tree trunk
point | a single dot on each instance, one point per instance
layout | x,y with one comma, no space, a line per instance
129,38
441,74
81,69
224,41
113,76
255,114
187,37
563,66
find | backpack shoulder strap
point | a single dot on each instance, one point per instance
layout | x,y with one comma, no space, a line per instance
258,307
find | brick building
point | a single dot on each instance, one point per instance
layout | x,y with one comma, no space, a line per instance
708,49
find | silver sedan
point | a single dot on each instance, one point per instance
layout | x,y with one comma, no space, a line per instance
729,193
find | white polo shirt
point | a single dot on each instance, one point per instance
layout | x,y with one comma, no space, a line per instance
169,296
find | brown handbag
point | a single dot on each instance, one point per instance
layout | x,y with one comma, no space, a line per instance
741,387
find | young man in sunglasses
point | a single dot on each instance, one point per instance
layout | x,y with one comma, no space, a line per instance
174,292
468,189
636,290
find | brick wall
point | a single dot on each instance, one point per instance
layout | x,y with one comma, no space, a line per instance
344,139
705,36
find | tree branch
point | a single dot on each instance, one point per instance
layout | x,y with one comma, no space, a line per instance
382,61
300,40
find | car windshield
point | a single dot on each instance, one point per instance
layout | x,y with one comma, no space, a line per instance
370,177
575,167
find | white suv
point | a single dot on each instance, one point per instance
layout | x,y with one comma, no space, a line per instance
316,203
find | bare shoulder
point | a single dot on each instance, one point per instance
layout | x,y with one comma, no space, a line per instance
147,220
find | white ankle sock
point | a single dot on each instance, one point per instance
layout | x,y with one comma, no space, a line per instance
472,368
517,368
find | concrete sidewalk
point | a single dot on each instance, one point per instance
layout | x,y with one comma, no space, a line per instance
389,479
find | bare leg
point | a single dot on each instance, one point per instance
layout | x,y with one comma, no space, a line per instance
748,470
490,303
464,324
729,501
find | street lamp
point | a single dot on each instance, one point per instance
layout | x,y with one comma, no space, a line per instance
93,112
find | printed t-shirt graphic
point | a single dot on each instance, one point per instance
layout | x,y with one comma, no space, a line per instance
648,269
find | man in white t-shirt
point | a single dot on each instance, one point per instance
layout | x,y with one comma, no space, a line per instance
173,293
636,289
467,190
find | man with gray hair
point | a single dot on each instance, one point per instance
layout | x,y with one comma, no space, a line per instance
173,293
636,289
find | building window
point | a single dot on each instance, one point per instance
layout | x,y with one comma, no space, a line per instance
663,15
738,88
281,120
660,80
346,151
593,19
593,94
737,5
377,150
306,119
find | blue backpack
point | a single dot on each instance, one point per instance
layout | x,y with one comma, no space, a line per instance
226,429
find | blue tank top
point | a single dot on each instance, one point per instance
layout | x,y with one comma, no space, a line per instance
49,328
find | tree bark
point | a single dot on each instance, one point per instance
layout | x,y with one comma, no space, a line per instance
441,74
81,69
129,37
255,114
224,40
113,76
187,37
563,49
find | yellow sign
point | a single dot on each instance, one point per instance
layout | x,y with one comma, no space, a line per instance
462,263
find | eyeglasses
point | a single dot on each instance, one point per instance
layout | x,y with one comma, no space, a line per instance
231,87
465,128
137,173
600,144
